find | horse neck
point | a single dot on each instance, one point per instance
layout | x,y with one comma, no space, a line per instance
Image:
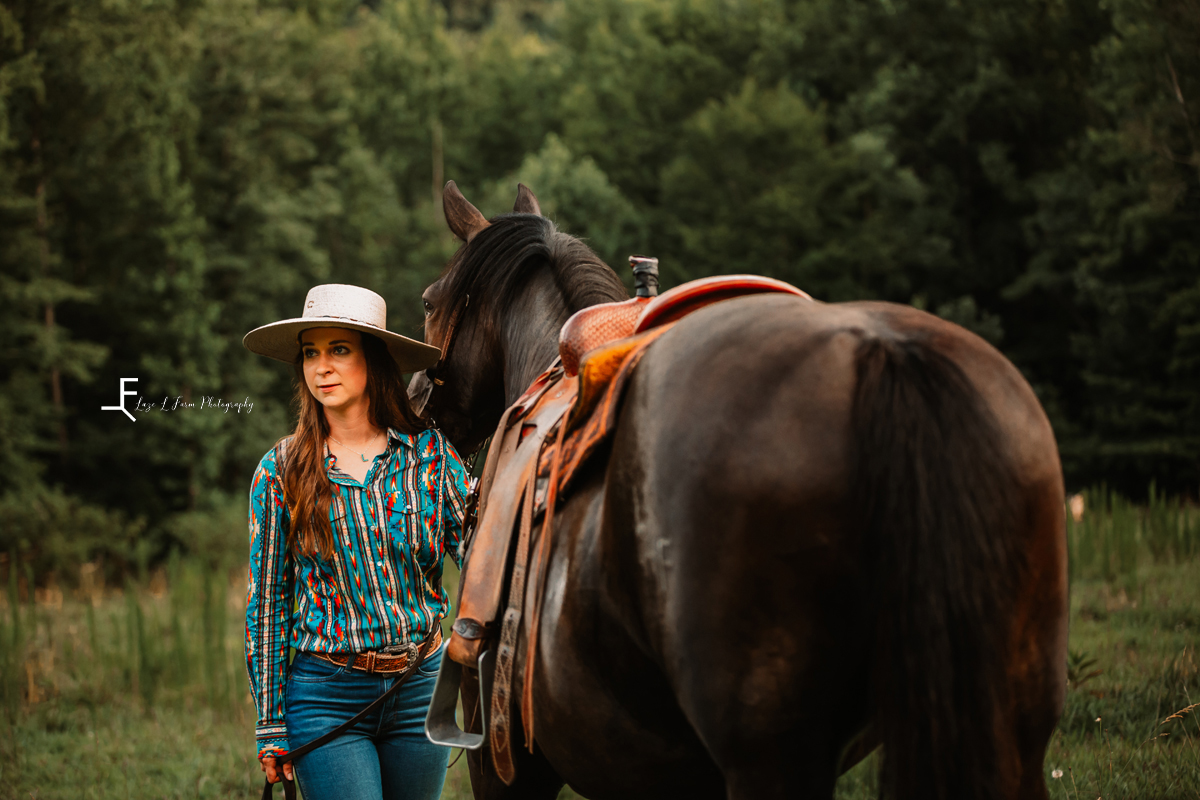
529,333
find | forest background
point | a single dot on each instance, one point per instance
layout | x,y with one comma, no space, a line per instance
174,173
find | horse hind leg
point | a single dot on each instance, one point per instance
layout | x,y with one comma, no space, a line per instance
1035,717
800,701
805,761
1035,705
792,769
782,728
1040,654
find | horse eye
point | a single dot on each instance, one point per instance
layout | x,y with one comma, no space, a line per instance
428,306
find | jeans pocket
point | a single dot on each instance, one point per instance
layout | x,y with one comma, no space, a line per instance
430,666
311,669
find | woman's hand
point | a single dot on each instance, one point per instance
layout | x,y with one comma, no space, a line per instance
266,762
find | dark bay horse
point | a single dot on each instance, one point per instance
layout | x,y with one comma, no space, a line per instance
817,522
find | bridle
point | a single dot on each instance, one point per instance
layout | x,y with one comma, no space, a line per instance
432,373
447,342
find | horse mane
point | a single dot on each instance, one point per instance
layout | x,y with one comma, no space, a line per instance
498,261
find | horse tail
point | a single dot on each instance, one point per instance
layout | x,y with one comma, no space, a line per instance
941,507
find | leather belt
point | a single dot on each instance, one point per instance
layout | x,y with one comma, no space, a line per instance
378,661
289,787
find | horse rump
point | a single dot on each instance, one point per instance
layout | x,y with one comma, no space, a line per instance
941,507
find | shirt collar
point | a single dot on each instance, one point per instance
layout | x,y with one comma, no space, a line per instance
395,438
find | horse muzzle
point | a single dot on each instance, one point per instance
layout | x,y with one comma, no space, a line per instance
420,388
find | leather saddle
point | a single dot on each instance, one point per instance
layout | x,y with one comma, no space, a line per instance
555,428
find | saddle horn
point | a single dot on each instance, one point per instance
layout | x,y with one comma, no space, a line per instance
645,275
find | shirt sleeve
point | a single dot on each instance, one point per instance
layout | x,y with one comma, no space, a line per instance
454,500
268,606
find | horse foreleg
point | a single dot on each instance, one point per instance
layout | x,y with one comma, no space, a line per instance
536,779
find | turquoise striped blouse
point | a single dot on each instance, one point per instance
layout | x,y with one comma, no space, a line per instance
384,585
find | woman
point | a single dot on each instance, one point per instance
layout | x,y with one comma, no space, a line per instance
350,518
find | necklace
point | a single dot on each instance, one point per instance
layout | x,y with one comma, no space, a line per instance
351,449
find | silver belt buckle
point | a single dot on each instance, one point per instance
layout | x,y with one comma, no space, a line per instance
406,649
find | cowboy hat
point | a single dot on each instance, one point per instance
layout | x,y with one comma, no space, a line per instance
337,305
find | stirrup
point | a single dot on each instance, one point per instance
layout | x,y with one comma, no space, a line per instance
440,725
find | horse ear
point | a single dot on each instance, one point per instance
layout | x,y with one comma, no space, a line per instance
464,219
526,201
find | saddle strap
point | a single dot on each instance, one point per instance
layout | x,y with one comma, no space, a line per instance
491,460
511,414
289,787
481,585
506,653
538,571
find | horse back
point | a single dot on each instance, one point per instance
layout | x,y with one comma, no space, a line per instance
737,468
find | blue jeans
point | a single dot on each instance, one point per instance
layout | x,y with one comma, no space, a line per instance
386,755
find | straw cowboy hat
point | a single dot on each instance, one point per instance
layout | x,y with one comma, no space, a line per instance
337,305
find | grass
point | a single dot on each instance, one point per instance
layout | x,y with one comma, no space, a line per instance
140,691
1130,727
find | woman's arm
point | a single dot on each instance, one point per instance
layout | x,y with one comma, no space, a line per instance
268,606
454,499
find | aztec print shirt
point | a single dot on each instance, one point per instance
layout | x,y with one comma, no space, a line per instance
384,585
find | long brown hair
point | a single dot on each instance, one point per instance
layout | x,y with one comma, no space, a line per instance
306,487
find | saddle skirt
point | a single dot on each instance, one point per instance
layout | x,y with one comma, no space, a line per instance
595,326
561,422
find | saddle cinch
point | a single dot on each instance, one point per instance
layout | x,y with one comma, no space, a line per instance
543,440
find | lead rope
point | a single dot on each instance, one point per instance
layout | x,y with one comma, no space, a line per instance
289,787
470,461
470,722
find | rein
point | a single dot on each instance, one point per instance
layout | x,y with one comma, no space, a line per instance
289,787
432,373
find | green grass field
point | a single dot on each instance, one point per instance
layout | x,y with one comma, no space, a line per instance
141,692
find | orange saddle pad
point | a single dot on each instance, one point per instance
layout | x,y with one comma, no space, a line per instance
596,326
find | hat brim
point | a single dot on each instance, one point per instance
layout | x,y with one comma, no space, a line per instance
278,340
